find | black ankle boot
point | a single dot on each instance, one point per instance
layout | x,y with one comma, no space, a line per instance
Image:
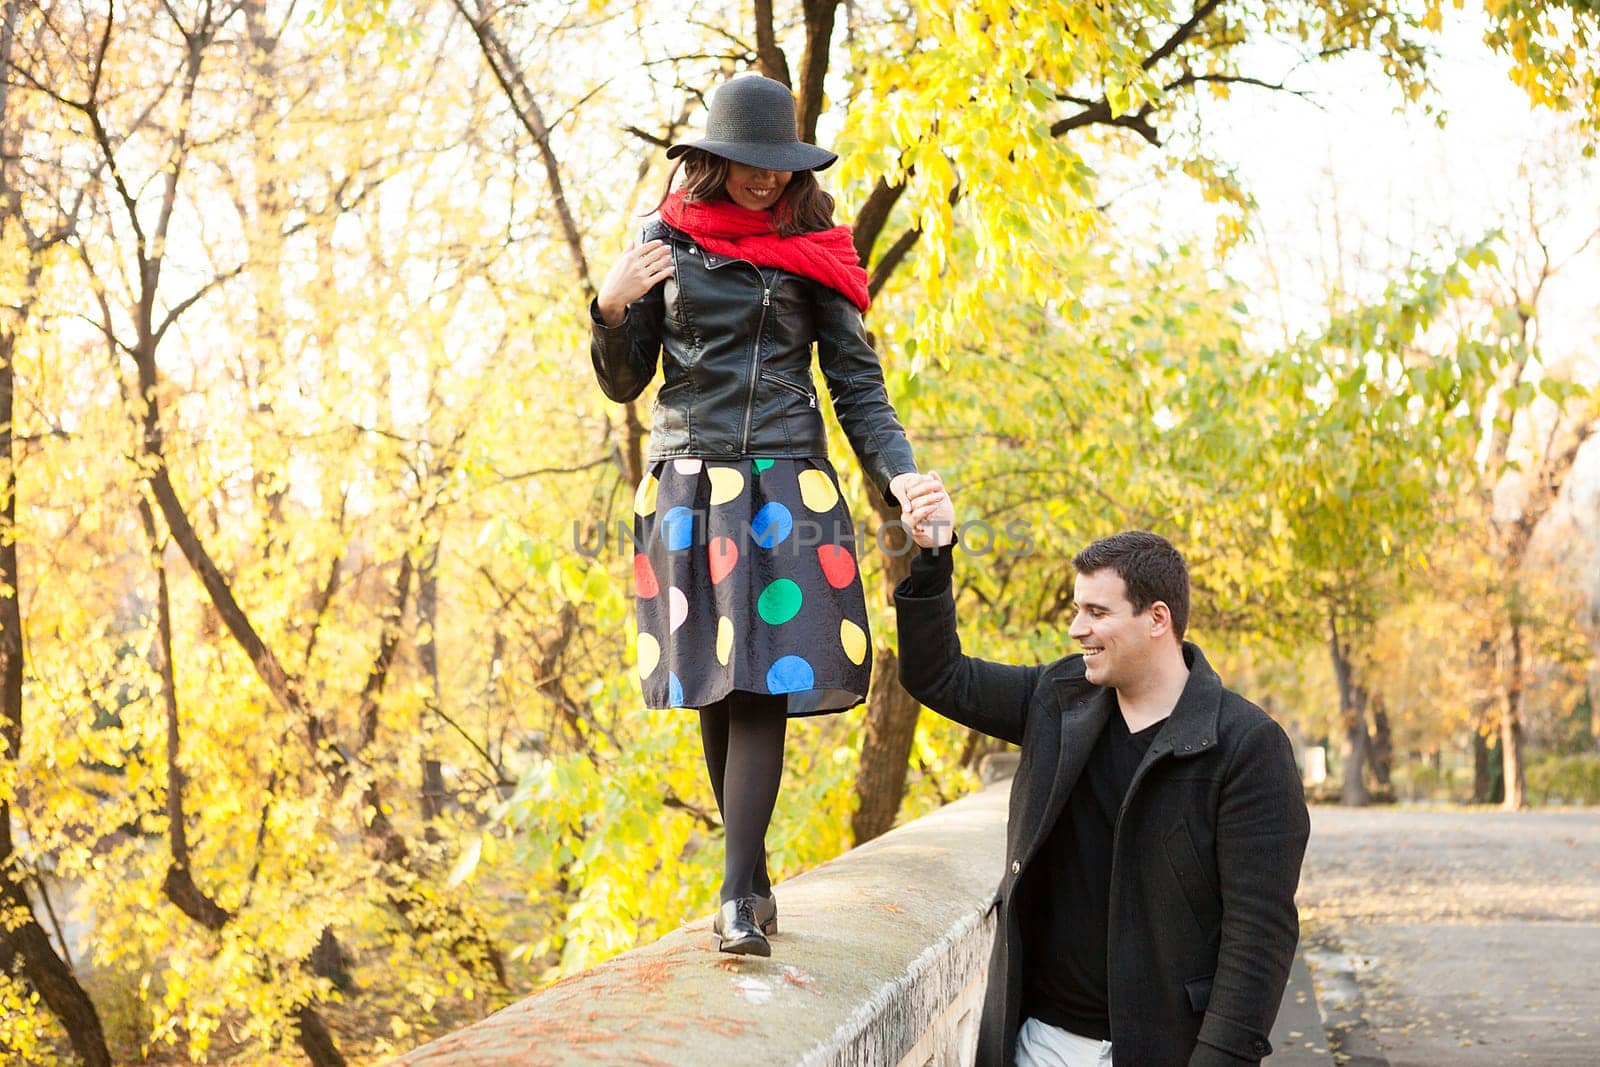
737,930
767,913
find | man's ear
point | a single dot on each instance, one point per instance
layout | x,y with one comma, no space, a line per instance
1160,619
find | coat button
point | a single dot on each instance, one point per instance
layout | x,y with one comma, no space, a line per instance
1187,748
1016,868
1260,1047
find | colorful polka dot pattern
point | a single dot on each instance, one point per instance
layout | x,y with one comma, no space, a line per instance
724,552
677,528
772,525
838,565
746,578
791,674
644,501
779,602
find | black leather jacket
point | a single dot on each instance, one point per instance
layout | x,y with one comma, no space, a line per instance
738,363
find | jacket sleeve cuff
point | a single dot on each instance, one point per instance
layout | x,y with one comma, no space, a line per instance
1205,1055
931,572
1229,1043
599,322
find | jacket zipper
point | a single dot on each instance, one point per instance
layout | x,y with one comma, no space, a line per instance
784,383
755,355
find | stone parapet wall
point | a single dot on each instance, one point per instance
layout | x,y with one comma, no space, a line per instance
879,959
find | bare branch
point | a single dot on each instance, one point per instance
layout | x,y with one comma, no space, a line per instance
703,817
1099,114
194,298
609,457
650,138
819,16
873,216
526,107
378,676
1181,34
770,59
500,776
891,259
1189,78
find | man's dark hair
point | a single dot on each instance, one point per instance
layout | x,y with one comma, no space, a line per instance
1149,566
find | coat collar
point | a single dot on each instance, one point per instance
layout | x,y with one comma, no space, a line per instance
1190,730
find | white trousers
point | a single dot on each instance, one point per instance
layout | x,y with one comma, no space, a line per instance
1042,1045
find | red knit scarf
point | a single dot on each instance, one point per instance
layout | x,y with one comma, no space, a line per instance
726,229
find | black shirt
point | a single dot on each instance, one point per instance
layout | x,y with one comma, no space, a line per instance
1064,972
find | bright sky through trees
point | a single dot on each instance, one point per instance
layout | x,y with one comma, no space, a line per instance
1348,169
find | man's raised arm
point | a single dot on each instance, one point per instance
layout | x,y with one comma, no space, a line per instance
989,697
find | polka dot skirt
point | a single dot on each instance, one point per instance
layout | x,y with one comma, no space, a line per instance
745,574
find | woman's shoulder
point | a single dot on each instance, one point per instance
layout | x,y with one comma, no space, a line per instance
657,229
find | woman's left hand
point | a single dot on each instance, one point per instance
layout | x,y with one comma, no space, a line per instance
925,507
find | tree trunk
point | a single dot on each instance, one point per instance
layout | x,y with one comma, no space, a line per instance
1512,774
819,19
1488,784
341,767
1353,753
315,1039
1382,744
264,227
1353,712
20,932
770,60
432,772
1594,706
1594,674
1482,776
179,884
1497,780
891,727
1485,757
54,981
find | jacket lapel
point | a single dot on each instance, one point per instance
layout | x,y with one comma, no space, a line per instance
1080,725
1190,731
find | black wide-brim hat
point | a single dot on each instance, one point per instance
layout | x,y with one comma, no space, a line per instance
752,122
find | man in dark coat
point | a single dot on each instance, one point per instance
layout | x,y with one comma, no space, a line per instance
1146,915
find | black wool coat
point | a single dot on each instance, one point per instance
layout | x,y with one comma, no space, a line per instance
1206,860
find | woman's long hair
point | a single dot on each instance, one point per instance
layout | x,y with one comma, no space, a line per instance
803,207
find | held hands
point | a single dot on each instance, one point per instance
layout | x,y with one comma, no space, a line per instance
926,507
639,270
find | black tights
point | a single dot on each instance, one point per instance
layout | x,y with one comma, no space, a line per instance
743,738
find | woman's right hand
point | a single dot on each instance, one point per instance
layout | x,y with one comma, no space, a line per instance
641,268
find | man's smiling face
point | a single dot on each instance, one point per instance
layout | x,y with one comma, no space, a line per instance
1116,641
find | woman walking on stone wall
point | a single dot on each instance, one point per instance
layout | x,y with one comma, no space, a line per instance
750,607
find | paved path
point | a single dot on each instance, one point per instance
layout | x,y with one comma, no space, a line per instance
1446,938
